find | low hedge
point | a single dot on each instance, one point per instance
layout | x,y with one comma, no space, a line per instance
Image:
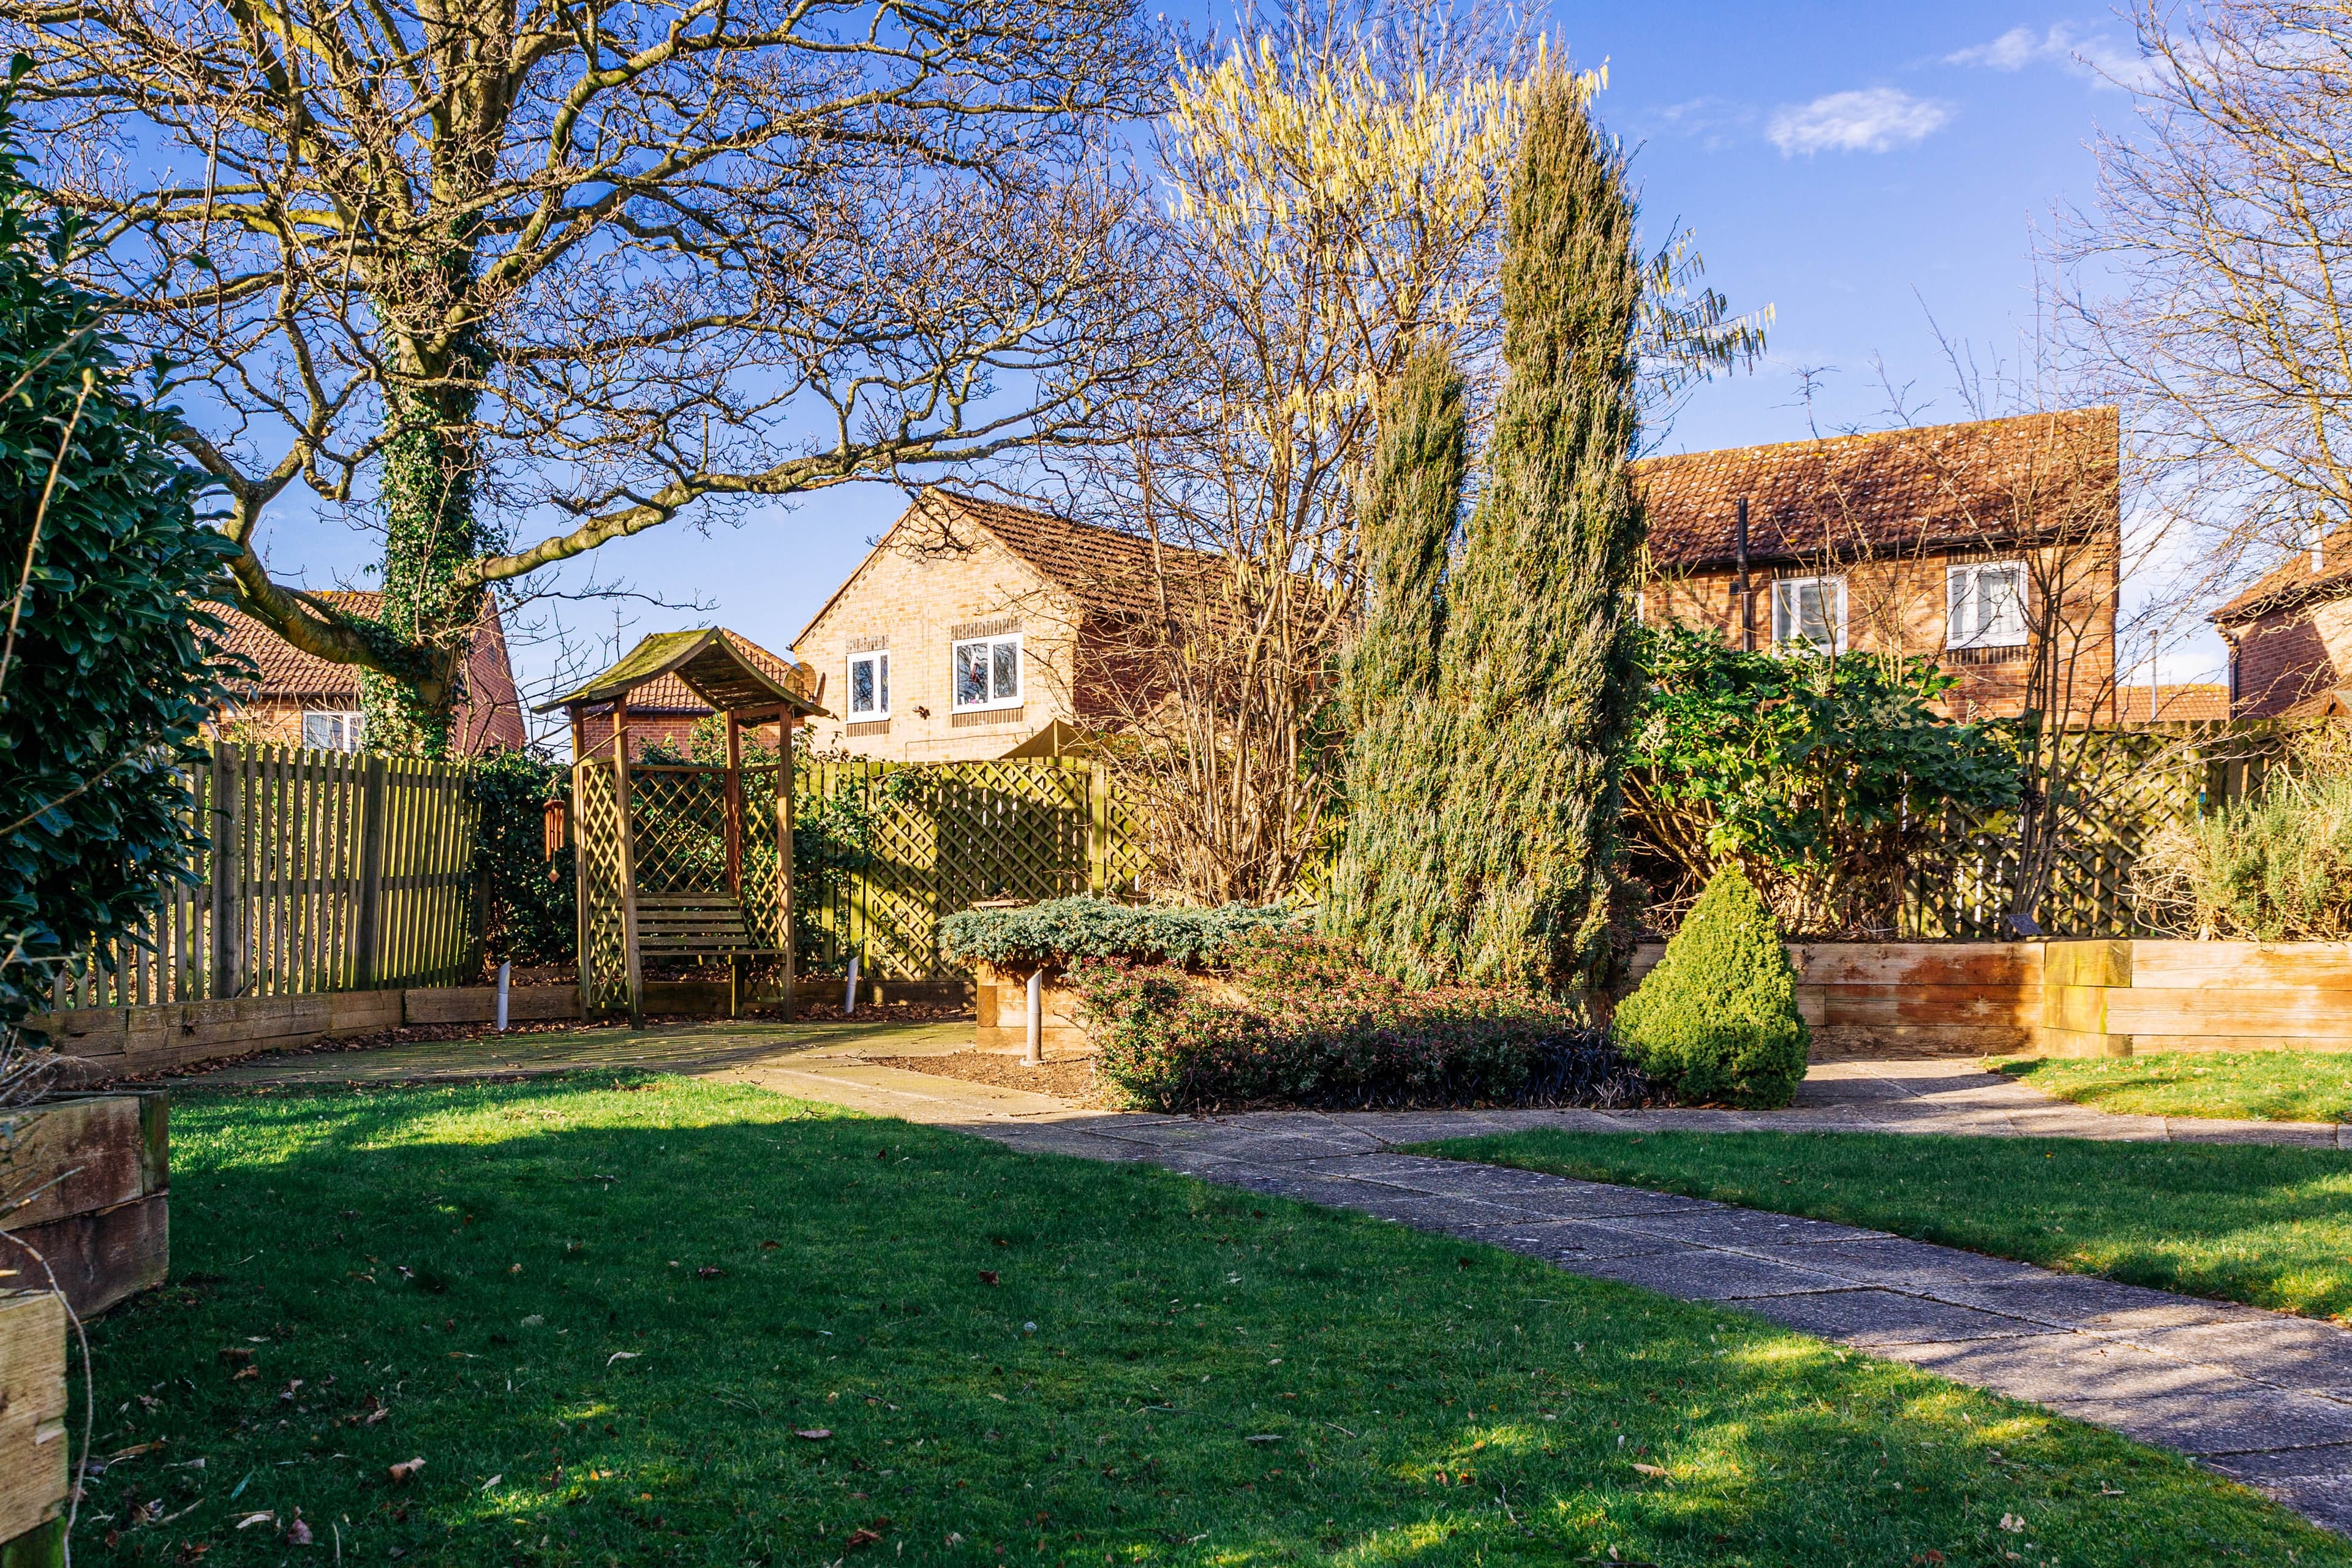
1293,1020
1063,929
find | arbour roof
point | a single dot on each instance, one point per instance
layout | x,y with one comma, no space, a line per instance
1936,487
709,667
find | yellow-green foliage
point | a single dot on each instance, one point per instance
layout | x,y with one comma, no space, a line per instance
1716,1019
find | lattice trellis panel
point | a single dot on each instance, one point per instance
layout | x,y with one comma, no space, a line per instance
940,836
2116,789
604,928
679,816
763,914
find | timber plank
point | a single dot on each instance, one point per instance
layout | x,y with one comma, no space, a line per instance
101,1256
2293,1012
32,1411
97,1145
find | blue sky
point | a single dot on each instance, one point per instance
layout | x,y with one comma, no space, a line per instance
1854,166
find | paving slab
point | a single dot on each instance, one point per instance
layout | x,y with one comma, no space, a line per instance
1867,1316
1702,1274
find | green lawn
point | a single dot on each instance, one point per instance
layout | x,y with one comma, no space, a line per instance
2261,1086
2242,1222
674,1323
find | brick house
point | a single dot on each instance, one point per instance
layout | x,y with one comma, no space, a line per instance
2290,637
1973,544
957,637
300,699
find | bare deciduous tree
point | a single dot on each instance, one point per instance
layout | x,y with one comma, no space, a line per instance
530,278
2210,289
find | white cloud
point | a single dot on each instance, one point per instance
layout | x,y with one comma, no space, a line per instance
2091,55
1869,120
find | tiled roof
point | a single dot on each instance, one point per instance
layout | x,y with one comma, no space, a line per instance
2294,583
2173,703
668,694
1105,569
1991,481
491,714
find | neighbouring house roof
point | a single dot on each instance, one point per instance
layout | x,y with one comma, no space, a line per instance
2295,582
1104,570
2194,699
2333,703
710,669
1930,488
490,715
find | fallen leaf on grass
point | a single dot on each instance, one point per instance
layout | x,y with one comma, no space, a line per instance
298,1533
250,1520
405,1468
814,1434
233,1355
1650,1469
190,1550
1263,1438
769,1245
494,1480
708,1272
988,1275
241,1374
623,1355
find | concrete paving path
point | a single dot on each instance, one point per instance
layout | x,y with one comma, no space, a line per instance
2261,1397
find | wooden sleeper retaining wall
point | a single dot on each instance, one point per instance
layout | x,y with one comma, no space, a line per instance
1881,1000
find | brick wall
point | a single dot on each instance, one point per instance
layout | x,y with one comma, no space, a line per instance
2279,659
1901,605
915,601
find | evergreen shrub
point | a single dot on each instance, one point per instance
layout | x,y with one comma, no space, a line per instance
1292,1019
1716,1020
533,902
1060,930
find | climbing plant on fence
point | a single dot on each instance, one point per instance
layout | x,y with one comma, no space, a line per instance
882,850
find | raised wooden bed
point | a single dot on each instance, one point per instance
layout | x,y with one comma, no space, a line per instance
105,1229
1001,999
1883,1000
32,1430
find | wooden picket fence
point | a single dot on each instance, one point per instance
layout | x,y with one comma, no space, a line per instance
940,837
321,871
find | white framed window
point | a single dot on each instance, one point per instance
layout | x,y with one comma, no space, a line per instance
1986,604
869,686
1810,610
987,673
331,731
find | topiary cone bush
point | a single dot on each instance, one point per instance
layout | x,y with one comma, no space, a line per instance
1716,1020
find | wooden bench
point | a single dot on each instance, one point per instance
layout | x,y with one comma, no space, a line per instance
699,925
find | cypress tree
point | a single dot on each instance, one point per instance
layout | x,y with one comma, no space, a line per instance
1536,668
1411,505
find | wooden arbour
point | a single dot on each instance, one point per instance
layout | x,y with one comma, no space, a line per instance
690,860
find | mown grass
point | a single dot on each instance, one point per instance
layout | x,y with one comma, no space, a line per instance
2259,1086
2269,1226
600,1315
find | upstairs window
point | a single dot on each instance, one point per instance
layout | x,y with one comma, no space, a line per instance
1985,602
869,686
325,731
1810,611
987,672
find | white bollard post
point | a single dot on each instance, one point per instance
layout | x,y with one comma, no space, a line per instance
1035,1056
505,972
849,997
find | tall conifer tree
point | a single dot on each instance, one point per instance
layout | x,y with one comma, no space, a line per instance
1396,754
1536,668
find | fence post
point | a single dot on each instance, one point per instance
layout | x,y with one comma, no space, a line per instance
371,875
1097,827
225,856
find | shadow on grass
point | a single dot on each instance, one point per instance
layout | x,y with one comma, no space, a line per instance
2259,1223
2257,1086
610,1317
